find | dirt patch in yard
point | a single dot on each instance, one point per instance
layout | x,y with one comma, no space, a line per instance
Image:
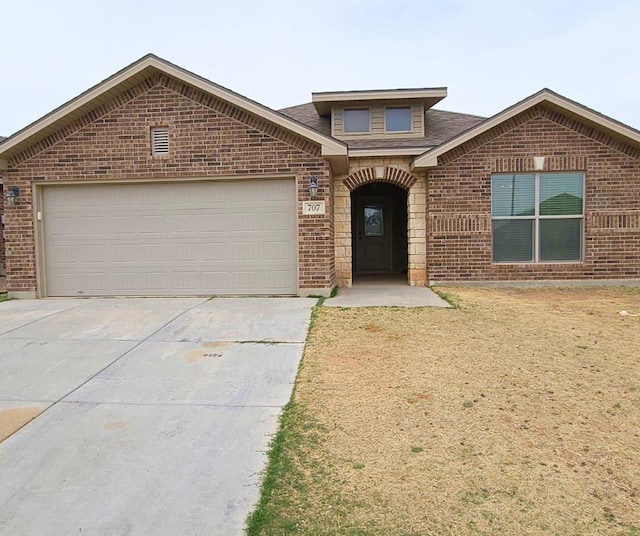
518,413
12,419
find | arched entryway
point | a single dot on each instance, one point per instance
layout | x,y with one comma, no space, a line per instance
401,195
379,244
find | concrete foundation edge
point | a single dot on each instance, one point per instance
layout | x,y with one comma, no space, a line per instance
541,283
303,293
26,295
307,292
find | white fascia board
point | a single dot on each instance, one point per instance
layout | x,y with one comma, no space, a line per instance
324,102
595,117
398,151
326,142
347,96
426,161
430,158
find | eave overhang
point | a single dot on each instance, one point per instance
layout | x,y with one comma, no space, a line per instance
394,151
324,101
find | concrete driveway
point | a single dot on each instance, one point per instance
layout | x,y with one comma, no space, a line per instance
152,415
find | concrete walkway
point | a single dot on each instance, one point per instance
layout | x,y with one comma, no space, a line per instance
151,416
385,291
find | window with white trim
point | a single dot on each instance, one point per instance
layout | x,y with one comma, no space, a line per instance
537,217
159,141
356,121
397,119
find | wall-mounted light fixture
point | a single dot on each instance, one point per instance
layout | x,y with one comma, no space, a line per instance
313,186
11,196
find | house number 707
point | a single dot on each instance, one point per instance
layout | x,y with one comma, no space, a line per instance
313,207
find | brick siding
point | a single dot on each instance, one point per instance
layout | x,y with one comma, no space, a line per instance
211,138
208,138
459,205
2,254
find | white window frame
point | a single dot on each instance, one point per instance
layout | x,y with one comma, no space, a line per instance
537,217
396,108
344,123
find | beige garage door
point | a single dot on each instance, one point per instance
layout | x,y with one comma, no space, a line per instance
189,238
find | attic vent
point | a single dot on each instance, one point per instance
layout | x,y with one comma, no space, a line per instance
159,141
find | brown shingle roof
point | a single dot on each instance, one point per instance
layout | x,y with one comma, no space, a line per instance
440,126
307,114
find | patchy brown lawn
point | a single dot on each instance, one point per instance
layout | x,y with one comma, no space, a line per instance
518,413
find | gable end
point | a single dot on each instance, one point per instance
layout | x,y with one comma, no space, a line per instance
148,66
545,111
159,80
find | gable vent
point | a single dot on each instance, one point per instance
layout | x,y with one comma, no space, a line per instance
159,141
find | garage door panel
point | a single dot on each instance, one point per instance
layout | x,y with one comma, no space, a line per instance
276,251
171,239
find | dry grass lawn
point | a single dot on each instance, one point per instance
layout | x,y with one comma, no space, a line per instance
518,414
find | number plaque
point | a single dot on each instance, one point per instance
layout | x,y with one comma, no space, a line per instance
309,208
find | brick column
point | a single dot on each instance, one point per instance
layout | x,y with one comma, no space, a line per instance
342,219
417,232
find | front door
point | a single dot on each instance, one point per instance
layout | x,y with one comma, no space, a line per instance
373,229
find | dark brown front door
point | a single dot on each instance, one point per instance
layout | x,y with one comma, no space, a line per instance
373,228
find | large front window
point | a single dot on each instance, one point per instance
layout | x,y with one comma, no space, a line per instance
537,217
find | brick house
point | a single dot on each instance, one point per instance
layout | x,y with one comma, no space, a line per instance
2,248
159,182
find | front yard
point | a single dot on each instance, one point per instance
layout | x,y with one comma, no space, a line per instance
518,413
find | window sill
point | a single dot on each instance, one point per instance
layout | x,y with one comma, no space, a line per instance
532,263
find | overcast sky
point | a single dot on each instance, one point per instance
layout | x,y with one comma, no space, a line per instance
490,54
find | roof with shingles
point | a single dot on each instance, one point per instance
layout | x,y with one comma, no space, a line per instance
440,126
307,114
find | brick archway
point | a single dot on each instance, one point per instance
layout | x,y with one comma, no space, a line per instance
416,188
380,174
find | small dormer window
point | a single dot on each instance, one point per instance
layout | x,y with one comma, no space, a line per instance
356,120
159,141
397,119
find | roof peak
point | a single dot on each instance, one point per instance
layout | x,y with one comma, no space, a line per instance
547,97
128,77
